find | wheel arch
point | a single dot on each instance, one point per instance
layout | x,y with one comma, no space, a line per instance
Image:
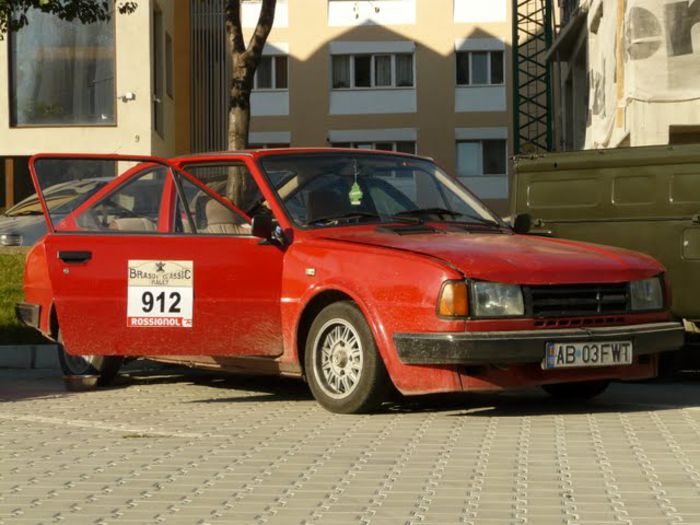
312,308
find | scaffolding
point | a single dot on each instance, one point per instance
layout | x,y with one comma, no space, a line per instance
532,96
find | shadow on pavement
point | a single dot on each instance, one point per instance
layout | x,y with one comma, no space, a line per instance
680,391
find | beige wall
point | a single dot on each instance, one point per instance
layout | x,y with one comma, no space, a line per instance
435,32
133,132
308,35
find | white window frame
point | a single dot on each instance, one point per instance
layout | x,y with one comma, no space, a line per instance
372,71
273,75
488,52
480,141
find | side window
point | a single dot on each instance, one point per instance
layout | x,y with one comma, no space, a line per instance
132,207
199,212
233,181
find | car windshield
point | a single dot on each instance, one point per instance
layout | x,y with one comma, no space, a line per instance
61,198
339,188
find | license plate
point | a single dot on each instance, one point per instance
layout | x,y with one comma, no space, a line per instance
570,355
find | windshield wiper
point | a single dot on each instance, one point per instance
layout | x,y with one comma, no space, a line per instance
419,212
480,221
344,217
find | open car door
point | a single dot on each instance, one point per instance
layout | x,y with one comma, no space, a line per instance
154,262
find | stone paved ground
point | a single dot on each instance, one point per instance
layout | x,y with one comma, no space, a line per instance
188,447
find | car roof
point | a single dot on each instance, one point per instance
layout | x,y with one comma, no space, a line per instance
288,151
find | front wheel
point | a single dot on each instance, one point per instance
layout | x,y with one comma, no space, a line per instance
579,391
103,366
345,373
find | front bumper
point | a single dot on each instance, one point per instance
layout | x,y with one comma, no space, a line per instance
527,346
28,314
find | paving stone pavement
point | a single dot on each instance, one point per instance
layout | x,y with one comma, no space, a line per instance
178,446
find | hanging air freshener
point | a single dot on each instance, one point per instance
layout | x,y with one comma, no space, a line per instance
355,191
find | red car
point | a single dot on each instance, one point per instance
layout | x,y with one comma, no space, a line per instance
359,271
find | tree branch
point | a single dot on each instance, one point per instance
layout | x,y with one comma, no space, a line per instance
262,30
233,26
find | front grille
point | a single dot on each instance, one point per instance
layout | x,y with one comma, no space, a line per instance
576,300
578,322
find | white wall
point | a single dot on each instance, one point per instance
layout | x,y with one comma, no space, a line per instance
344,13
471,11
480,98
372,101
269,103
250,12
373,135
487,187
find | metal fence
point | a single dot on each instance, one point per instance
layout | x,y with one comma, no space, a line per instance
211,73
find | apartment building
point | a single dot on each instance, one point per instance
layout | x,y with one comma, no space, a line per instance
424,76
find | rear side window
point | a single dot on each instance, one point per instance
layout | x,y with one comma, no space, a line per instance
233,181
197,211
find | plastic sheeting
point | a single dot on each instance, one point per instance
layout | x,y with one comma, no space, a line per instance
652,58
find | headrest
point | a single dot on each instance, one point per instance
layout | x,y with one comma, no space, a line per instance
217,213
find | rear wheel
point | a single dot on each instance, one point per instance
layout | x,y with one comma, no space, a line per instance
103,366
581,390
343,368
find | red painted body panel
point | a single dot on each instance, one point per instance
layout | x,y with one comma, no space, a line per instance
250,297
37,286
519,259
236,313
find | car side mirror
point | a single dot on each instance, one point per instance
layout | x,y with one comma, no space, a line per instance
261,226
265,228
522,223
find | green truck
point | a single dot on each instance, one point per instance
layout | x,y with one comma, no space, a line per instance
645,199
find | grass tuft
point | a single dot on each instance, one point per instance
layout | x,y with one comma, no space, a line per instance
12,331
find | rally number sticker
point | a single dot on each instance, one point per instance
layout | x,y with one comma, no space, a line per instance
159,294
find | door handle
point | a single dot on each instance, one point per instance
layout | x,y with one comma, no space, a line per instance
74,257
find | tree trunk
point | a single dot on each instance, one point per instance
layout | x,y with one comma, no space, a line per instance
245,61
239,108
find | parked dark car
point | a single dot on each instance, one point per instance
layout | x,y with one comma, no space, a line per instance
24,224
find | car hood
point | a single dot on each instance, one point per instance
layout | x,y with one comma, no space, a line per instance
523,259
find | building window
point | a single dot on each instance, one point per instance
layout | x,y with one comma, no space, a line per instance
169,65
478,68
62,73
402,146
372,71
481,157
271,73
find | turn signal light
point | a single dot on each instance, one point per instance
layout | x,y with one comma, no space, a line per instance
453,299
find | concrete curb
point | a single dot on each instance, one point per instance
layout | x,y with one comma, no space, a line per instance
29,357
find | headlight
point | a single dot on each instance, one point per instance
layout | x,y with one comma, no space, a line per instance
453,299
10,239
497,300
647,294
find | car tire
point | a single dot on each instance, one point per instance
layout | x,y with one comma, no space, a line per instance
104,366
579,391
344,370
